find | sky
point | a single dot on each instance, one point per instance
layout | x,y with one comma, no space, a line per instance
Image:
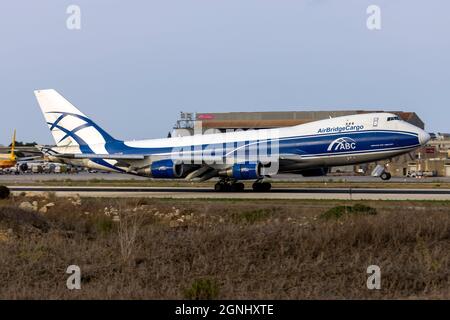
134,65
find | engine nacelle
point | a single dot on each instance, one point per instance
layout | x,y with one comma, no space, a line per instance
166,169
245,171
23,167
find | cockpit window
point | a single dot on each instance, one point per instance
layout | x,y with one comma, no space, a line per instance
393,118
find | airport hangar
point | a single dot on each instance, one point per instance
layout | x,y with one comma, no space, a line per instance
431,160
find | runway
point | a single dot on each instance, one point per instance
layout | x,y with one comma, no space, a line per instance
206,193
30,178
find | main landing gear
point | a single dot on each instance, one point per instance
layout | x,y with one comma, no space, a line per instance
261,186
229,185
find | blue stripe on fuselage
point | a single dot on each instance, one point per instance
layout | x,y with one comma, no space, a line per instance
311,145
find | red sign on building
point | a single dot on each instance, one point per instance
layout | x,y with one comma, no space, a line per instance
205,117
430,150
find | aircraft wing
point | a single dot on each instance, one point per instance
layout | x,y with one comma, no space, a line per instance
208,166
199,160
48,151
112,156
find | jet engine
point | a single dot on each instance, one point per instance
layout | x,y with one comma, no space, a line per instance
163,169
245,171
166,169
23,167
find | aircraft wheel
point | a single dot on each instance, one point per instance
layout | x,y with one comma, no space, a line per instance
262,187
219,187
267,186
386,176
229,187
237,187
223,187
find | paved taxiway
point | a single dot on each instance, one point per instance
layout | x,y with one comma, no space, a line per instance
206,193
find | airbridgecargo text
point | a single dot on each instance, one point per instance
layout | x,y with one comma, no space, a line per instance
341,129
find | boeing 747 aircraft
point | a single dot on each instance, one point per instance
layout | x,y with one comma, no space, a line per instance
310,149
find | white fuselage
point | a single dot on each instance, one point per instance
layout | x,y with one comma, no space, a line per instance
326,143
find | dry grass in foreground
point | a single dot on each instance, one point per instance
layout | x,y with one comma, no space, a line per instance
192,249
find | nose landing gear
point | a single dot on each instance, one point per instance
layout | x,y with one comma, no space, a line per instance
385,176
380,171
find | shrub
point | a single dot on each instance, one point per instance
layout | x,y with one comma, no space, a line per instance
128,230
357,209
202,289
103,225
4,192
363,209
19,219
252,216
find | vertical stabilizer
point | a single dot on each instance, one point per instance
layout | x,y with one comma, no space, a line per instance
68,125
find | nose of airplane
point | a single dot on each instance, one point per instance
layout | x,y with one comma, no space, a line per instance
424,137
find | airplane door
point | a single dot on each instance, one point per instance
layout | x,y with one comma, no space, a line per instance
375,122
